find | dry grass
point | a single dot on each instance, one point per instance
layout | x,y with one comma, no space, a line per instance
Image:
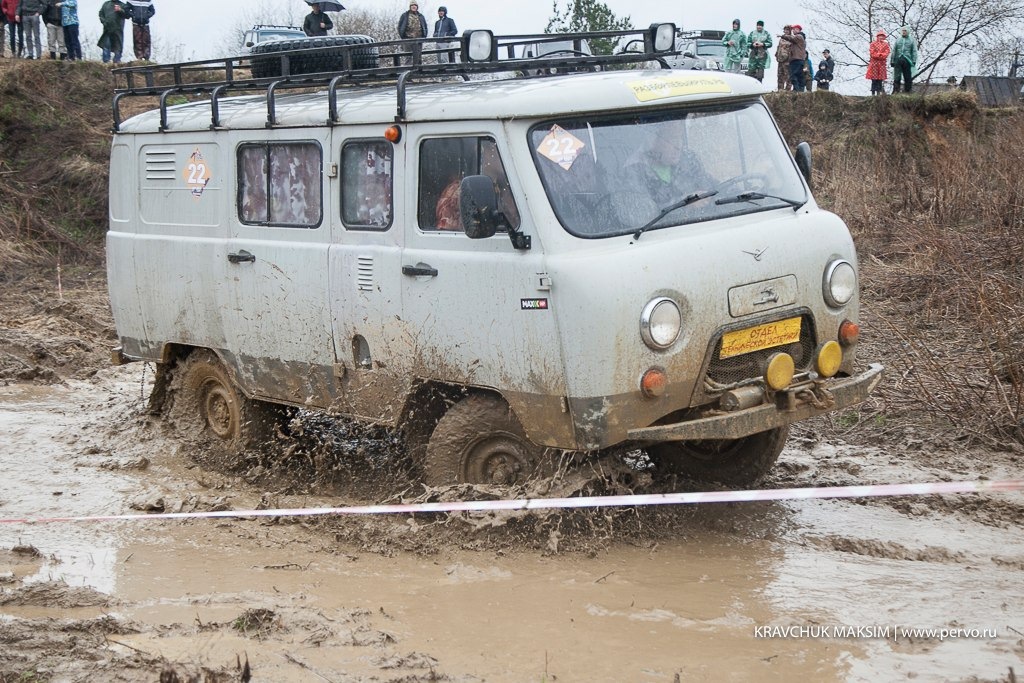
54,129
933,191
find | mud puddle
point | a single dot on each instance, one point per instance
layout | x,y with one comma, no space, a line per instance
743,592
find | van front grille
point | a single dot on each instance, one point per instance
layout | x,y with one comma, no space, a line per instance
730,371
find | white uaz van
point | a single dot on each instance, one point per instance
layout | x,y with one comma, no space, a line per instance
503,268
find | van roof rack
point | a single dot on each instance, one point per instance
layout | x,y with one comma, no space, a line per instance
481,53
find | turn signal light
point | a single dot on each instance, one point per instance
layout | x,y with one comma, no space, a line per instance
393,134
830,357
849,332
653,383
779,370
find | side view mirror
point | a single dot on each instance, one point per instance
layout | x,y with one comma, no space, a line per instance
803,161
249,43
689,55
481,217
478,205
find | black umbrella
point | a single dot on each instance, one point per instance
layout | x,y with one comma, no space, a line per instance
328,6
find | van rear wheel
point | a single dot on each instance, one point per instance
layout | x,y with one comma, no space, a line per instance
207,392
480,441
734,462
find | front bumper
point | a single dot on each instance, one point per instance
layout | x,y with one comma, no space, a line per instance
792,405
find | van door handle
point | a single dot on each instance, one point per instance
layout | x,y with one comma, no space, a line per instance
419,270
242,256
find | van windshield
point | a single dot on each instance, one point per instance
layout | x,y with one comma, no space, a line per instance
607,176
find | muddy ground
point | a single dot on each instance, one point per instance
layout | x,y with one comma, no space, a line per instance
659,594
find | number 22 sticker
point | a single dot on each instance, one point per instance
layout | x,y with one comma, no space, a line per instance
196,174
561,147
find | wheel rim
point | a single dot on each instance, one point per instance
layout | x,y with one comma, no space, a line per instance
499,459
219,410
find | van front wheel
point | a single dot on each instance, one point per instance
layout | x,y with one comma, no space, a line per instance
480,441
734,462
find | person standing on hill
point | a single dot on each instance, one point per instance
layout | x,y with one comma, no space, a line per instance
830,63
759,41
54,31
445,27
797,56
878,54
3,31
112,16
141,12
782,59
29,13
317,23
413,25
735,42
69,22
822,76
903,61
17,32
9,8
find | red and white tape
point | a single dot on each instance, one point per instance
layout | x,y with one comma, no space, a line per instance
869,491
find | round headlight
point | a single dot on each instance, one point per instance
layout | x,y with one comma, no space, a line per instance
840,283
660,323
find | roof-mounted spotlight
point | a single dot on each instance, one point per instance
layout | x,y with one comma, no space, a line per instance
660,38
479,46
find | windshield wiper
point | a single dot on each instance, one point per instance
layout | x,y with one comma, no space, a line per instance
751,196
688,199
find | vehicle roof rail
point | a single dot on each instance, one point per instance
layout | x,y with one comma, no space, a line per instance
213,77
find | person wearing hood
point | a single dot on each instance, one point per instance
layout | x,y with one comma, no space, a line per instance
759,41
903,61
735,42
878,54
445,27
317,23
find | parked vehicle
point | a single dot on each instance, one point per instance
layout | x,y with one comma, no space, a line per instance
503,269
701,50
262,33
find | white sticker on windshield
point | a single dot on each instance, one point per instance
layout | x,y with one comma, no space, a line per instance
561,147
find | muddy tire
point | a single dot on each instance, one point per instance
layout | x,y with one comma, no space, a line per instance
205,389
480,441
266,57
734,462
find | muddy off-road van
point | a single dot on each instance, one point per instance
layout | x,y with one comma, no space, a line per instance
505,267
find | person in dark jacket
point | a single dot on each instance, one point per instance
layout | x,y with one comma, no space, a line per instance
445,27
412,24
54,30
112,16
822,76
30,13
317,23
141,11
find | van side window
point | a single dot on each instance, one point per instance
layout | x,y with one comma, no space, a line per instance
280,184
444,162
366,184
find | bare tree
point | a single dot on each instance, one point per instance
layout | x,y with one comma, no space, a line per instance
380,23
946,30
1001,56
